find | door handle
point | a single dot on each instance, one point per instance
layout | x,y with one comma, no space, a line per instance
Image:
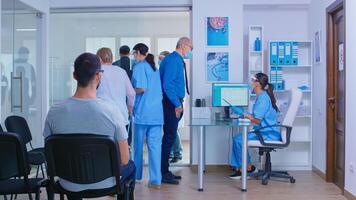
331,99
331,102
13,78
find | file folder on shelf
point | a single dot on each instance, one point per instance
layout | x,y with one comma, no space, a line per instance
288,53
295,53
276,78
281,53
274,53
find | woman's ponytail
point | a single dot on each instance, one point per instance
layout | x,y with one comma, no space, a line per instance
271,96
150,58
268,87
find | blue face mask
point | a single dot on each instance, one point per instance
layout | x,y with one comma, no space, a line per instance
188,55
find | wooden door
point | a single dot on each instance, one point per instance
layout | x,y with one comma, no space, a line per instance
336,96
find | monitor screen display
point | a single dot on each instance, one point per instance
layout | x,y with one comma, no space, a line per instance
230,94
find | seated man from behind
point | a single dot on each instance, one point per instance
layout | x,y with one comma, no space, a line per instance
85,113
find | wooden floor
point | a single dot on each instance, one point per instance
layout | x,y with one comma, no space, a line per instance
219,186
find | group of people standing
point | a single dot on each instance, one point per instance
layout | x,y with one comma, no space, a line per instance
154,97
108,95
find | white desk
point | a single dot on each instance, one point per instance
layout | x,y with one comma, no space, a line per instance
202,124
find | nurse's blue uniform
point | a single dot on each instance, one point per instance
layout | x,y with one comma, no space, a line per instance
264,111
148,113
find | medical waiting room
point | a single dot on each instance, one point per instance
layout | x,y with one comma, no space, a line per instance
184,99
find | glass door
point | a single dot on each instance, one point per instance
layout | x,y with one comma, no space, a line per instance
21,65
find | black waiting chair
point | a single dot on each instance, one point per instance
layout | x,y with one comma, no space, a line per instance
266,147
18,125
85,159
13,163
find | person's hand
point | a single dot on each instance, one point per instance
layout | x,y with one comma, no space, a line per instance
248,116
179,111
129,108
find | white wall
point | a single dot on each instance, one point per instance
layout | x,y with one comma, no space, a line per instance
350,158
317,14
217,150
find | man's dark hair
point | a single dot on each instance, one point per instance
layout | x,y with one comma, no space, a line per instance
124,50
85,67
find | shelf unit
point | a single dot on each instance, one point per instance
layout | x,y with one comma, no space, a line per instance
295,76
255,58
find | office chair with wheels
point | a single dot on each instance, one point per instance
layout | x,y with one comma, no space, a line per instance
18,125
13,163
85,159
266,147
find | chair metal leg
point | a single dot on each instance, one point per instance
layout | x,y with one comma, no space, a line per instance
281,172
61,196
5,197
30,196
38,169
258,174
38,194
279,175
43,175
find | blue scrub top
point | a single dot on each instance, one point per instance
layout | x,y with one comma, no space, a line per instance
264,111
148,108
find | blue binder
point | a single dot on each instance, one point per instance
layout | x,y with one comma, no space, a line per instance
273,53
295,53
281,53
276,78
288,53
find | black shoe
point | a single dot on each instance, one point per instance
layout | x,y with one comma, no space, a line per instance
236,175
174,176
175,160
253,168
168,179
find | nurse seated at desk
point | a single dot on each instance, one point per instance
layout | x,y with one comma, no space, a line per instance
264,113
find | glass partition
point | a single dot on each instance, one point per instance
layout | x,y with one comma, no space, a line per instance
20,64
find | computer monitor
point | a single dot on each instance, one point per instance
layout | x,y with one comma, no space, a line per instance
235,94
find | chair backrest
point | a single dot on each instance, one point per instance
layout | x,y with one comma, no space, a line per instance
291,113
82,158
13,157
18,125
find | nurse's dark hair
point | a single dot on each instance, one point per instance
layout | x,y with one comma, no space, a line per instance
143,50
263,80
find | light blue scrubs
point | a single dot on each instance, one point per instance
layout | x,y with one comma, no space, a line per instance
148,113
264,111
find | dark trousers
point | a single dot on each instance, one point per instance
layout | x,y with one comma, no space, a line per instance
129,132
170,132
128,174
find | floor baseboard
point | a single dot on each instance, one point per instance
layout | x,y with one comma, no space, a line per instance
349,196
319,173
